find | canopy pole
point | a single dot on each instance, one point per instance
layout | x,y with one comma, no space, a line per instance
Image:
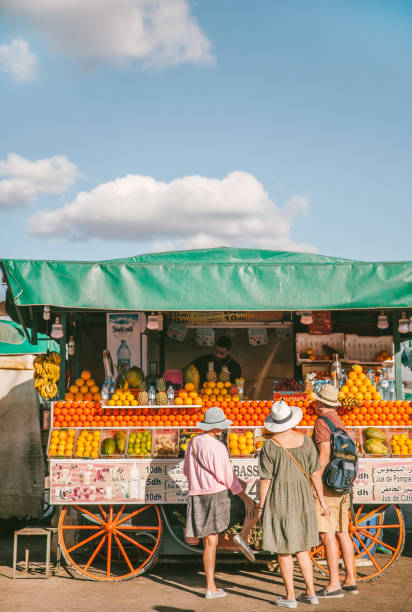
397,355
62,343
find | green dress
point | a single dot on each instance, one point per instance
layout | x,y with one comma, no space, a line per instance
289,522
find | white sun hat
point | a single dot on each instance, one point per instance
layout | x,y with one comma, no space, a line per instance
283,417
214,419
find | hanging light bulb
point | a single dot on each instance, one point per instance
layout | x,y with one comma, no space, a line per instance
403,326
383,322
306,318
155,322
71,346
57,329
46,313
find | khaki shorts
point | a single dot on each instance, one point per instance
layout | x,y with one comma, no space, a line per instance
338,519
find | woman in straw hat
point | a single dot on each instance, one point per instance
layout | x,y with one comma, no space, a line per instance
288,469
216,497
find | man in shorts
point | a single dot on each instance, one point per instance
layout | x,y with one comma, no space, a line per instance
336,525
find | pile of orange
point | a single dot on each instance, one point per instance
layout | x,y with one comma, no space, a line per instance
92,414
368,414
84,388
358,387
219,392
188,396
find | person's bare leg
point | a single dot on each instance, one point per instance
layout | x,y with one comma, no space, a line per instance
306,567
286,568
348,555
248,526
209,560
332,558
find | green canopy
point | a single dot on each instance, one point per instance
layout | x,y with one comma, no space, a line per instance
211,279
14,342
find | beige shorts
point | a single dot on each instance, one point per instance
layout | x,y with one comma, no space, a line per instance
338,519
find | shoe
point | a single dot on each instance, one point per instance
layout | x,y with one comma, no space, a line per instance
352,589
286,603
215,594
329,594
244,547
308,599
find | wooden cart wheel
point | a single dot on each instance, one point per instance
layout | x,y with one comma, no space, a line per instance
378,536
108,542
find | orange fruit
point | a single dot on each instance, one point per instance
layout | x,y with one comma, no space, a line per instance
189,386
85,375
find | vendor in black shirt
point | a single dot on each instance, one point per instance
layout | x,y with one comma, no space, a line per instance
220,358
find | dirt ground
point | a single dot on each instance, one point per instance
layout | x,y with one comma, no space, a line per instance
179,587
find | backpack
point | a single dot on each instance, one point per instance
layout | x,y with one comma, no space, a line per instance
341,470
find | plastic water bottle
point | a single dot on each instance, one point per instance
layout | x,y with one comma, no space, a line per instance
105,390
170,395
112,386
392,390
123,356
152,396
371,376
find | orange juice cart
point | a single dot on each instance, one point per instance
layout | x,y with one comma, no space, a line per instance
116,463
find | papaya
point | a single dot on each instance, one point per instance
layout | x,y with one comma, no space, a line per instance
372,432
108,446
373,446
191,374
120,440
135,377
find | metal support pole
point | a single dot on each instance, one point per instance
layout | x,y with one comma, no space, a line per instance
78,348
397,355
62,343
34,315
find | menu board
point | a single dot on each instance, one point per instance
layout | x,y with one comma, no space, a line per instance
383,480
155,481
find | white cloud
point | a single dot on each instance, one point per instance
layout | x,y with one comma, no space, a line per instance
27,179
189,212
156,33
18,60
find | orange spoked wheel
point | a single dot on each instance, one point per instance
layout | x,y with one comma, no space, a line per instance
378,536
110,542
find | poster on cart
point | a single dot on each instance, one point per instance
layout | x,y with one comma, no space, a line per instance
130,482
124,339
163,482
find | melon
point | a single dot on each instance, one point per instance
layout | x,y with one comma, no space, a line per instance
135,377
191,374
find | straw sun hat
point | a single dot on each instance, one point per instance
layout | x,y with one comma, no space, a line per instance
283,417
327,395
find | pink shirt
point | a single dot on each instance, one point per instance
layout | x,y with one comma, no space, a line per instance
214,456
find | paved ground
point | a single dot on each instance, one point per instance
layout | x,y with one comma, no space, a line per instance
172,587
179,587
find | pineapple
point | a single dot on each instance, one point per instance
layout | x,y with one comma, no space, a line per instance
211,374
224,375
161,395
308,388
143,396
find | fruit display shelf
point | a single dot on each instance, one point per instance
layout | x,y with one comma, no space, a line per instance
242,442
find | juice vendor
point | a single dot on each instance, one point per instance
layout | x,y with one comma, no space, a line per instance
221,357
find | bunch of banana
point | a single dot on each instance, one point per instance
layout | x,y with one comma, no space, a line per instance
46,374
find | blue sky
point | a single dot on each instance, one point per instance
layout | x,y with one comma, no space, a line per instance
273,124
